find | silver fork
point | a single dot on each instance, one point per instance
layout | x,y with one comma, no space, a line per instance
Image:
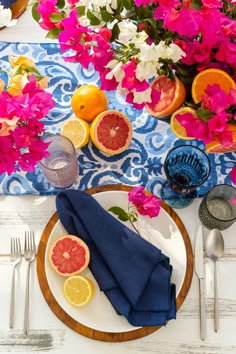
29,256
15,260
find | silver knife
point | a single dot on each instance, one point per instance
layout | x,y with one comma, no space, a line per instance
200,271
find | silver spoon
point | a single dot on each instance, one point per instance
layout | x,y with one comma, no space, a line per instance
214,250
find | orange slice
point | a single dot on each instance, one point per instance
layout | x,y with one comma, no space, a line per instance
78,290
77,130
173,94
111,132
175,125
211,77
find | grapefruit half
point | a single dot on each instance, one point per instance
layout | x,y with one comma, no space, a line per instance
69,255
111,132
173,94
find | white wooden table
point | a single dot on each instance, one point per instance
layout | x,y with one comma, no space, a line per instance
48,333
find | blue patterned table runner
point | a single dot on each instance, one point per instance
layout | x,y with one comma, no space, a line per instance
141,164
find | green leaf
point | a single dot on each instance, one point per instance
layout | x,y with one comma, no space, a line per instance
204,114
60,4
121,213
54,17
106,16
35,13
31,69
127,4
115,32
81,11
94,21
53,33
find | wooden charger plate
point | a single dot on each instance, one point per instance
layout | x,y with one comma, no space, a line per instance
94,333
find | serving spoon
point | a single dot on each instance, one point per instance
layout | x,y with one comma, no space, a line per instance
214,250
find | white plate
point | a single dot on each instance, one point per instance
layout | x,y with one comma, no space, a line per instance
98,313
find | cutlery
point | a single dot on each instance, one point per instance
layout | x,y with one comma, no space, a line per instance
200,271
215,250
15,258
29,256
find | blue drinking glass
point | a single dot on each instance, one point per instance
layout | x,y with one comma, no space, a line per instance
186,168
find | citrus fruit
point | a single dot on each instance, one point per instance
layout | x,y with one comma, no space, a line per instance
215,147
69,255
176,126
111,132
78,290
210,77
173,94
77,130
88,101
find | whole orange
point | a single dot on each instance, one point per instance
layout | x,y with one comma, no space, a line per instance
88,101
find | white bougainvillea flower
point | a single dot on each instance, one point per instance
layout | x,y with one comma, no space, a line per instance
127,31
146,70
6,17
116,70
144,96
172,52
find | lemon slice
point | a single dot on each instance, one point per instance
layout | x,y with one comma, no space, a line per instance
77,130
175,125
78,290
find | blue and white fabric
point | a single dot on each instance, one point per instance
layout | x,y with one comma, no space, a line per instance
141,164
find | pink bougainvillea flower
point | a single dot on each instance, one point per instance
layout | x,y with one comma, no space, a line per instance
215,100
150,206
233,174
218,123
45,9
146,205
137,196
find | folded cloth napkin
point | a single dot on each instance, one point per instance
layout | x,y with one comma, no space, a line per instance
134,274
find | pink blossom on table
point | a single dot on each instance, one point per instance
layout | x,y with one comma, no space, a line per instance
194,127
102,51
218,123
225,138
130,98
77,38
213,3
185,22
233,174
107,84
130,81
146,205
149,207
144,3
45,9
215,100
155,98
137,196
196,52
226,52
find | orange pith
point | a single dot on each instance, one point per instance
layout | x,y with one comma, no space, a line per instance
173,94
88,101
111,132
211,77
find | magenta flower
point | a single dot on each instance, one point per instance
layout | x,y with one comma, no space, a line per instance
137,196
146,205
233,174
149,207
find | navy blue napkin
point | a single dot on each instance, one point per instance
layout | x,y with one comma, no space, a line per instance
7,3
134,275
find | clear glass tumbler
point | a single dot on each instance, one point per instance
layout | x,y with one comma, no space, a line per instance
216,210
61,167
186,168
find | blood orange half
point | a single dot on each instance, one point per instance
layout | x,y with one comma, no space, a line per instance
173,94
215,147
69,255
111,132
